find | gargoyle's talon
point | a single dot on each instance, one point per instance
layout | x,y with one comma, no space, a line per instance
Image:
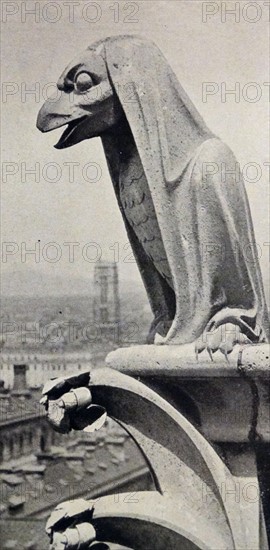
210,353
199,346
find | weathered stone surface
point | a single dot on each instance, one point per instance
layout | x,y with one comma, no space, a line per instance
183,361
227,399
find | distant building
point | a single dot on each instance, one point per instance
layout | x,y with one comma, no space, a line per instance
23,427
106,308
42,366
40,468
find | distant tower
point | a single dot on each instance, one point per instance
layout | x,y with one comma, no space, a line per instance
106,297
20,385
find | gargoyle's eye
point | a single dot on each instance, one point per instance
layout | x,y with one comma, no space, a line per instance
83,82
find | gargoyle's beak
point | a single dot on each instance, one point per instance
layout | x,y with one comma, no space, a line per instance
59,112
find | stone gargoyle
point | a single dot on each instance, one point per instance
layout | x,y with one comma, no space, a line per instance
189,225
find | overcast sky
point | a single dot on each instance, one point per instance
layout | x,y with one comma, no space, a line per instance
34,53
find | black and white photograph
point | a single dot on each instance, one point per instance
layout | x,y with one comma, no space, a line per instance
134,275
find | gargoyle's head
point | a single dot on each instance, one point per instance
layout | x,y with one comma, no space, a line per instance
86,101
126,77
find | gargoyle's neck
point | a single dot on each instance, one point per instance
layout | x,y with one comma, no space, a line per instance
121,151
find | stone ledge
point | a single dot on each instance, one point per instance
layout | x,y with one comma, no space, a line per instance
181,361
228,401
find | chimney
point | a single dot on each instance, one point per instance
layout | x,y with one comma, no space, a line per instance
20,387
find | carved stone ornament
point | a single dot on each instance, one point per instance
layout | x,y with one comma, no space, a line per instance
189,226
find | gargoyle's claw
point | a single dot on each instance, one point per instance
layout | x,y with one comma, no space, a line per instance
222,338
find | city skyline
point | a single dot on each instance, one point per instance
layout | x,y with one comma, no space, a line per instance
61,205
